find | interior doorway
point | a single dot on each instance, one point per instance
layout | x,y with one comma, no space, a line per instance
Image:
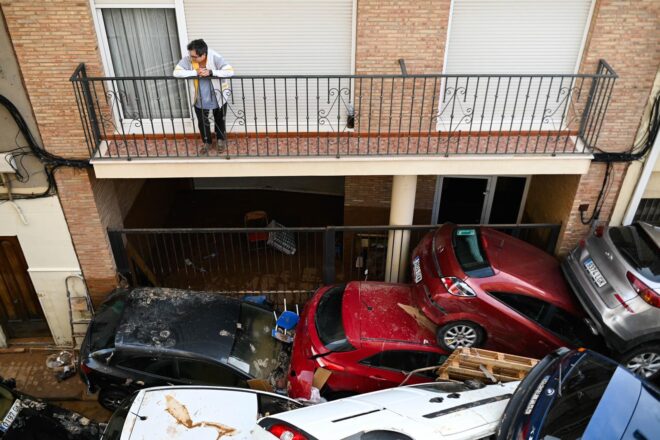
21,315
479,199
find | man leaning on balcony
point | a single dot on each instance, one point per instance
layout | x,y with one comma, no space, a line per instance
209,65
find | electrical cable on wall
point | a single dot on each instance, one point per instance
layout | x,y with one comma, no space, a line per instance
50,161
637,152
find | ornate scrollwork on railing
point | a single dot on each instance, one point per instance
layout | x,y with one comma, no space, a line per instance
454,100
338,99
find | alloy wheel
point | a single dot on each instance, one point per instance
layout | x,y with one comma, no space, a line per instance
460,336
644,364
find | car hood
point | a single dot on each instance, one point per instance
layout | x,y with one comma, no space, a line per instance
388,312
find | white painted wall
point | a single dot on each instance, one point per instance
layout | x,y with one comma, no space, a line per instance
50,256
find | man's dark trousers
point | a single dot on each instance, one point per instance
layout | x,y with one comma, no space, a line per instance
205,125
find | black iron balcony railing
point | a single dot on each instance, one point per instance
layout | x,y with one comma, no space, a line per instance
347,115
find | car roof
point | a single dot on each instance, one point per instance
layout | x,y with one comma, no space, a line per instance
164,319
652,231
421,411
375,311
194,412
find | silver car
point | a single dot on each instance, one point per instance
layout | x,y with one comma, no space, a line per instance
615,273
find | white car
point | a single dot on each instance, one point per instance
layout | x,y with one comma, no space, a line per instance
438,410
193,412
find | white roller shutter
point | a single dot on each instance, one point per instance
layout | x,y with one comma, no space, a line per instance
516,36
511,37
287,37
266,37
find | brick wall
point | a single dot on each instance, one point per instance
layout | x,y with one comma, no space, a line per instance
587,193
414,30
87,231
50,39
626,34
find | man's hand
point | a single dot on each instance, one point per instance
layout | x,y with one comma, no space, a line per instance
203,72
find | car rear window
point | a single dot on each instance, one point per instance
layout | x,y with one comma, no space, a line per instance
638,249
470,254
329,321
105,322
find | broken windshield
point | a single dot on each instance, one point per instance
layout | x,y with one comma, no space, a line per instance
255,351
104,324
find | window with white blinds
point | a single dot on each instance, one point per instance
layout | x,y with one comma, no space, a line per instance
504,37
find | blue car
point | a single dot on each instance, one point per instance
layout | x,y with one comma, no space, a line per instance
580,394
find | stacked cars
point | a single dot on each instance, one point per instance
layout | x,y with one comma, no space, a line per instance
472,287
615,274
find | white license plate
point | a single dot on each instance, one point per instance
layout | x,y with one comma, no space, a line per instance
11,415
594,272
417,270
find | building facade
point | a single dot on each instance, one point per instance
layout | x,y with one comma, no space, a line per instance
343,113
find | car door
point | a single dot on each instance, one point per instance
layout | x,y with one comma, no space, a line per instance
148,371
390,367
531,324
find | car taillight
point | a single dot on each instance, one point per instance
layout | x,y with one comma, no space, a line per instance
648,295
285,432
583,243
623,303
457,287
85,369
598,232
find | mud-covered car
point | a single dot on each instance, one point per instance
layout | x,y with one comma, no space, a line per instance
186,412
23,417
154,336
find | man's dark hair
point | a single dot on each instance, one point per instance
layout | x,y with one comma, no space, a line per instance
199,46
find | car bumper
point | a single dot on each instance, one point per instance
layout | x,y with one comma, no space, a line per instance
605,319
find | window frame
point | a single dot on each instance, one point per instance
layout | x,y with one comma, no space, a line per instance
147,126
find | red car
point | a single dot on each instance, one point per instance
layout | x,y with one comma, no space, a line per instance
368,334
484,288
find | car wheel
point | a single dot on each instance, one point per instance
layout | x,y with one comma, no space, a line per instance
460,334
111,398
643,360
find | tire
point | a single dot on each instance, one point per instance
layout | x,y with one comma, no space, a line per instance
110,398
643,360
459,334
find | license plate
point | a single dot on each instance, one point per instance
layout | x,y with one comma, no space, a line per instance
11,415
598,278
417,270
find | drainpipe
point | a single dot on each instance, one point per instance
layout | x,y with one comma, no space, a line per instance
643,181
401,213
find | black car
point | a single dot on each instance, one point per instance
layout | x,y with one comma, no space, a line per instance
23,417
580,394
148,337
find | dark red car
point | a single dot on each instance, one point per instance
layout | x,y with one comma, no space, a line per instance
484,288
368,334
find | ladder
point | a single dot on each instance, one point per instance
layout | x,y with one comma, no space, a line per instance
81,309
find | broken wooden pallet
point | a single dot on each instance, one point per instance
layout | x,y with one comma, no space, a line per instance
492,366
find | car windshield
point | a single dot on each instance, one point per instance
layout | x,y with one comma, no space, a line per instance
105,322
6,401
638,249
329,321
470,253
116,422
255,351
580,392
